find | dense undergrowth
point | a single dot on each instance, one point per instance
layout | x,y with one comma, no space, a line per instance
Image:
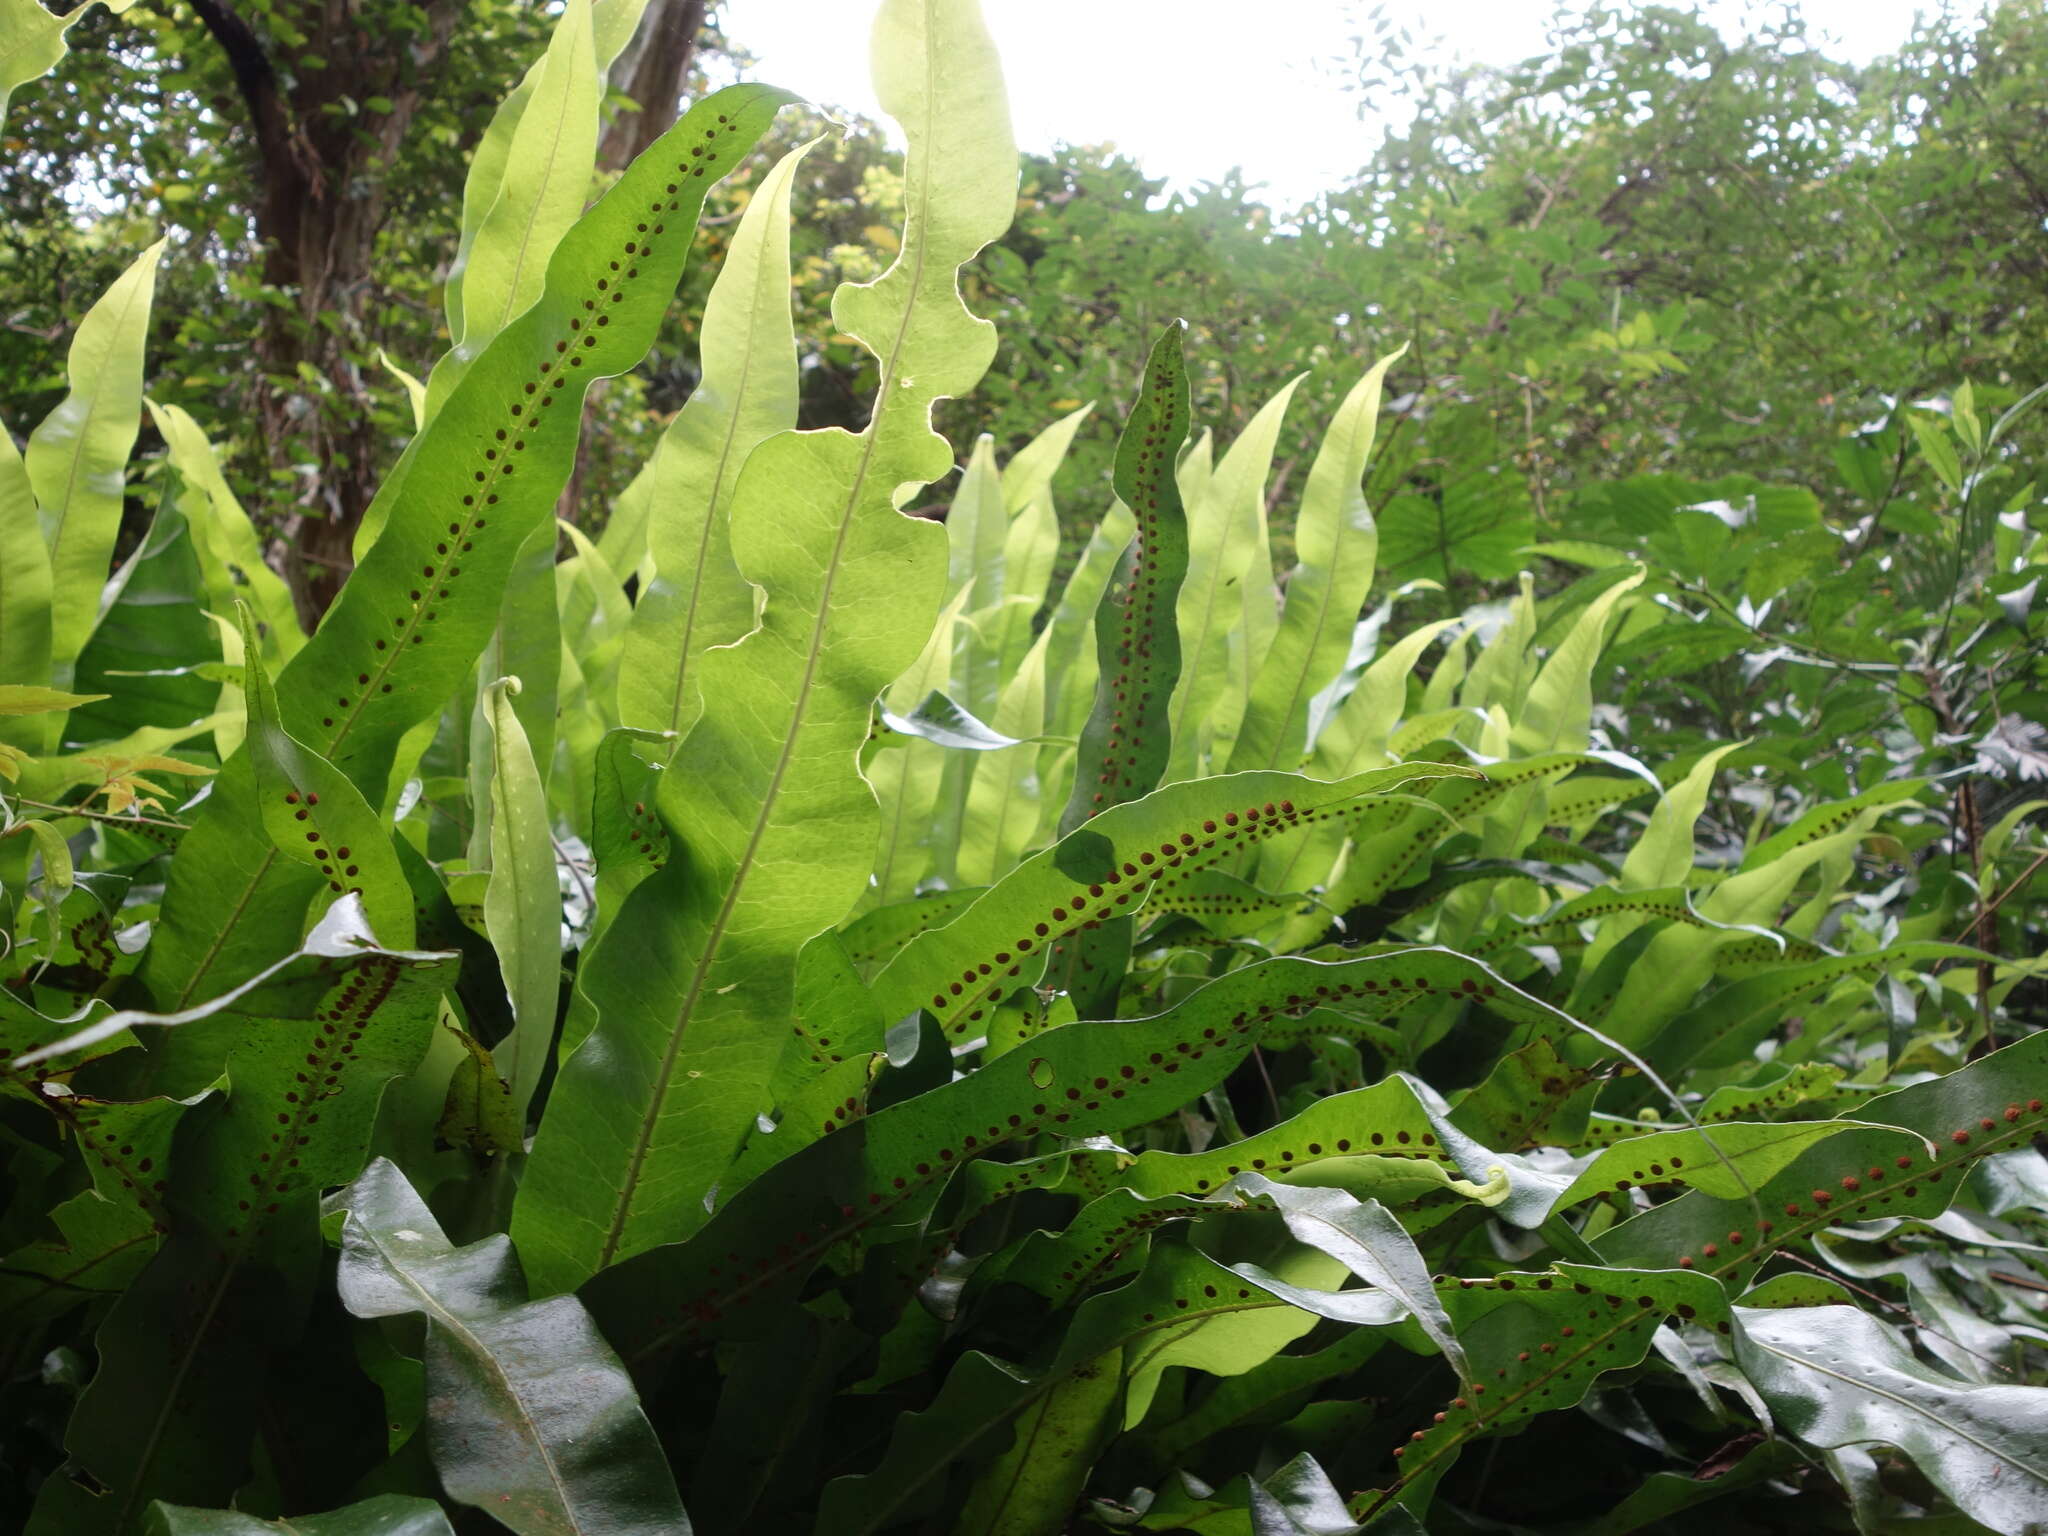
796,1011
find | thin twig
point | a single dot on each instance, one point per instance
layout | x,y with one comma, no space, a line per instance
114,817
576,874
1998,901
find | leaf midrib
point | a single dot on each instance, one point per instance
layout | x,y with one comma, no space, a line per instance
346,727
103,366
1902,1401
700,972
711,512
439,1312
554,152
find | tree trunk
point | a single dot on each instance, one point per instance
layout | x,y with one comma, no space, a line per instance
321,155
655,72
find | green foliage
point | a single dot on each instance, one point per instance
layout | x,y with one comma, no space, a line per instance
830,1022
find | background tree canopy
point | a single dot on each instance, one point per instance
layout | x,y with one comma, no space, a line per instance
1300,867
1650,249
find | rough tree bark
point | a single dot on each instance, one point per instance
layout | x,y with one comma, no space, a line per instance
320,203
655,72
319,206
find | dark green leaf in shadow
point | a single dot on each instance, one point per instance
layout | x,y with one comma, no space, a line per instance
388,1514
534,1418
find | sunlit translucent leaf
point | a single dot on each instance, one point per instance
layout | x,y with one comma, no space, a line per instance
78,457
393,650
1337,541
32,41
523,902
1223,524
230,559
770,819
747,392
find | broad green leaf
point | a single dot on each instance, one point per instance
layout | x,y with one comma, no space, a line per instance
1102,872
1869,1172
1724,1028
32,41
1537,1341
592,614
230,559
1222,540
1070,662
1727,1160
908,768
546,179
1034,1485
976,523
94,1251
1030,552
1501,673
78,457
152,625
1356,737
1029,475
1259,621
1794,1289
906,777
1936,448
461,503
1835,1376
626,836
1828,820
25,611
1364,1236
534,1418
313,815
612,24
309,1047
1128,738
523,902
1245,1399
972,1415
771,821
1679,960
747,393
1663,854
388,1514
1532,1097
1337,541
1557,714
527,644
876,936
1230,1343
1328,1143
1383,860
885,1170
1127,743
1360,730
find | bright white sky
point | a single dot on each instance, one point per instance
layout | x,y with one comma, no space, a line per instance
1231,83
